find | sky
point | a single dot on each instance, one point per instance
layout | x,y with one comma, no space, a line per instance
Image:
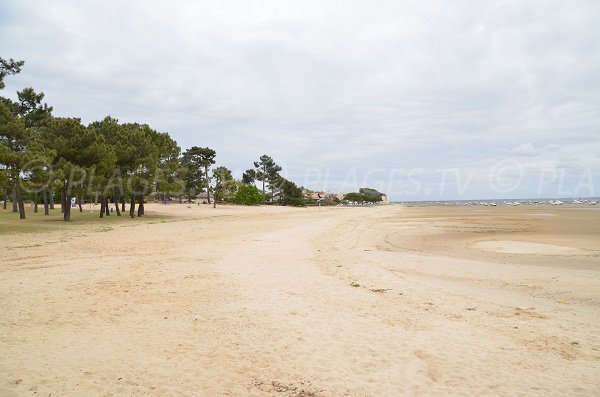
423,100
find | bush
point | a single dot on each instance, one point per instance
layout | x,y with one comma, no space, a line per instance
249,195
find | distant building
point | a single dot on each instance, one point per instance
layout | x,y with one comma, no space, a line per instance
317,197
202,196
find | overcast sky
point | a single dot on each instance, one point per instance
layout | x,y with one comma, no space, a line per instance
421,99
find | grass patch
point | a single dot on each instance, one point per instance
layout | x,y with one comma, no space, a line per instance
36,223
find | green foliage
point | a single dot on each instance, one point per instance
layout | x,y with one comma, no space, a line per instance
267,171
14,142
365,195
31,109
3,179
206,155
369,192
249,177
191,176
8,68
196,160
229,190
23,159
166,178
58,155
220,176
80,152
249,195
291,194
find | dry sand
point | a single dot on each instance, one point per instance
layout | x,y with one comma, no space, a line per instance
383,301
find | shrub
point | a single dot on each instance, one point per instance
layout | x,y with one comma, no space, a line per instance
249,195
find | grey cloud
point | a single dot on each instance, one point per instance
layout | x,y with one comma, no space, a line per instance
525,149
339,87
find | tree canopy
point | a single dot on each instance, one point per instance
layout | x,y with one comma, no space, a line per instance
364,195
9,67
108,161
267,172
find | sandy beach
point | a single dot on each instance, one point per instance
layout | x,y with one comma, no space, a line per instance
274,301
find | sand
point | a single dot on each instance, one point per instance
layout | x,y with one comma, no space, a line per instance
270,301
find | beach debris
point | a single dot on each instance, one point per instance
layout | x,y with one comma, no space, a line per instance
354,284
302,389
379,290
471,308
529,312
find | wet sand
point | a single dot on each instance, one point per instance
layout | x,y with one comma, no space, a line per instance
381,301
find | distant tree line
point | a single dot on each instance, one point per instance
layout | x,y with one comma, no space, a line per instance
364,195
44,158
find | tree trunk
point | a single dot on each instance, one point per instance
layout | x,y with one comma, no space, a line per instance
5,196
63,201
101,207
207,184
14,198
21,204
132,206
51,199
79,202
45,199
116,200
123,209
35,202
141,206
67,212
264,176
66,198
106,209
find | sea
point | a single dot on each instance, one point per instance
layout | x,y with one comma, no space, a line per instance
509,201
